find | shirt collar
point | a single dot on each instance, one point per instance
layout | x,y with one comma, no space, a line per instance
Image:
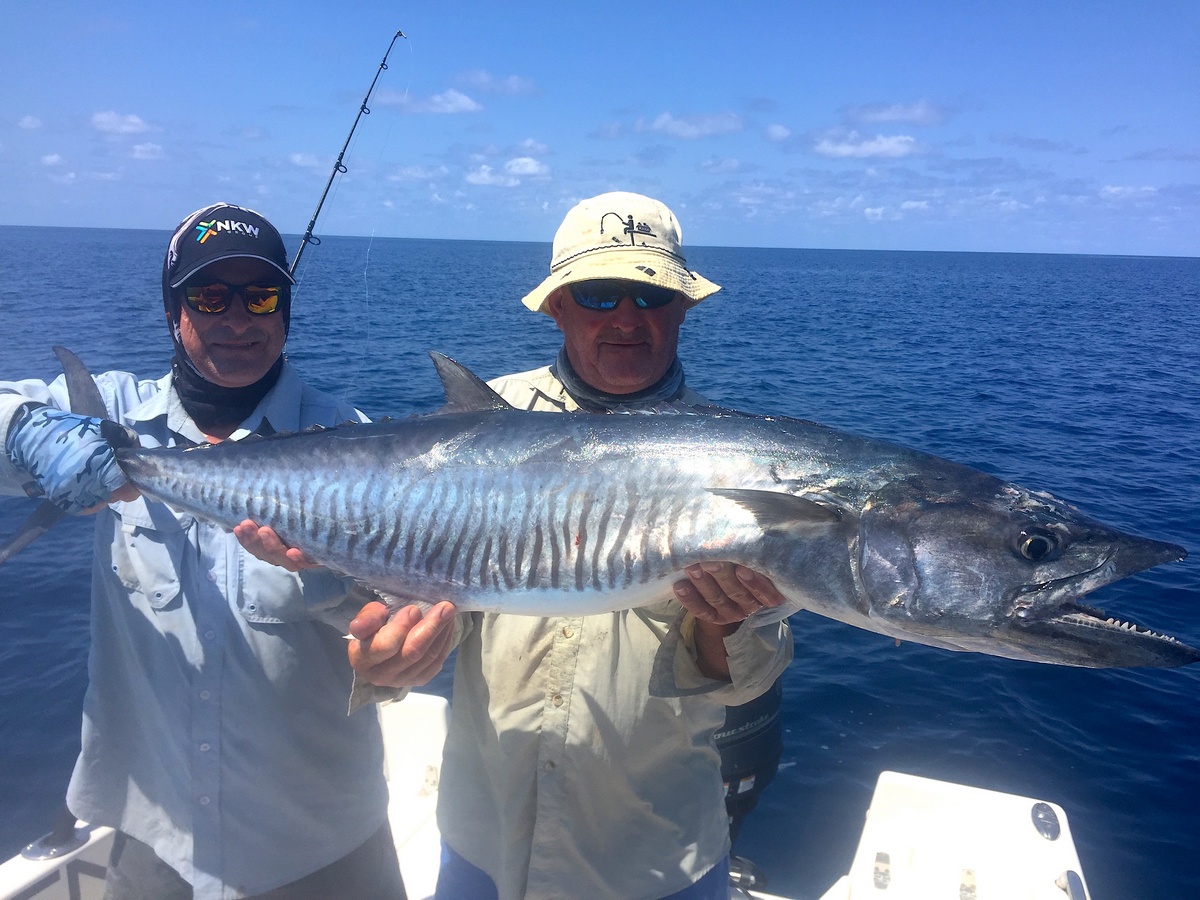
280,408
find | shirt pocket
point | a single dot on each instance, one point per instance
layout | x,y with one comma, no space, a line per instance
148,552
270,595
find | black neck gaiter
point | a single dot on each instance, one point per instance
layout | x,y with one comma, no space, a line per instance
210,404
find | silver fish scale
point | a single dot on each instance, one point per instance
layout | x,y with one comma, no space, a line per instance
525,528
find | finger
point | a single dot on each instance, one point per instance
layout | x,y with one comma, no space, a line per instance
409,650
715,611
300,559
384,645
722,590
429,633
727,582
422,671
369,620
762,587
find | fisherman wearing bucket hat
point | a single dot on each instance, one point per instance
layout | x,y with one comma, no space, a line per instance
619,289
215,737
624,236
574,766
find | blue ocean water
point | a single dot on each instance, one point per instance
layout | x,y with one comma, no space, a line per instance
1076,374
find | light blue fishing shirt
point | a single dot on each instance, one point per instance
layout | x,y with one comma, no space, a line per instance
214,725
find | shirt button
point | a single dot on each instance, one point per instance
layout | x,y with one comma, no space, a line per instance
204,695
567,631
204,801
209,635
557,700
204,748
548,767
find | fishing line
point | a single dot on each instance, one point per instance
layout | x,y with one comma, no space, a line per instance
354,377
340,167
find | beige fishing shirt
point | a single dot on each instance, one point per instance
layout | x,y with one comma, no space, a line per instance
563,776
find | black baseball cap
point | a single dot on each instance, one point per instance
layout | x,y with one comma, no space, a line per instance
222,231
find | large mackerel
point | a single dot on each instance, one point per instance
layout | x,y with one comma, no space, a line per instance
572,514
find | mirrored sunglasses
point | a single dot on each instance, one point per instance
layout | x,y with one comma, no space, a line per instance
606,294
214,297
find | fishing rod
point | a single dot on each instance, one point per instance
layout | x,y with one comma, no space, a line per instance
363,110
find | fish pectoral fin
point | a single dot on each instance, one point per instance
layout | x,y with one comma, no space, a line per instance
465,391
769,615
395,602
777,511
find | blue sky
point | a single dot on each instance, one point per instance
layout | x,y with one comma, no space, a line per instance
1043,127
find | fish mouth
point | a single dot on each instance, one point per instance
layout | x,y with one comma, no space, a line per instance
1053,612
1131,556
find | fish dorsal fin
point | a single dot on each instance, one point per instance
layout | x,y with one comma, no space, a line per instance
465,391
777,511
81,387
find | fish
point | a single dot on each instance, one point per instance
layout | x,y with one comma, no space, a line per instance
568,514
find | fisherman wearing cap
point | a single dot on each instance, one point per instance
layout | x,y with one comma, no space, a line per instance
570,769
215,734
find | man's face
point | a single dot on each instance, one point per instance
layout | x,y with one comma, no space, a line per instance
622,350
233,348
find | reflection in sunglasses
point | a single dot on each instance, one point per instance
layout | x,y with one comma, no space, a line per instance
606,294
214,297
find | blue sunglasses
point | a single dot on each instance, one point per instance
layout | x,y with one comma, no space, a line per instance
606,294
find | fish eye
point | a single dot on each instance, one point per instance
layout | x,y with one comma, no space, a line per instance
1039,544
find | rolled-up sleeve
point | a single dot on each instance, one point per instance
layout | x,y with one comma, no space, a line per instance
757,655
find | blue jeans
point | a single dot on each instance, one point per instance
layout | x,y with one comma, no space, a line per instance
459,880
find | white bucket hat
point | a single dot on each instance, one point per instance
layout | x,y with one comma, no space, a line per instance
620,235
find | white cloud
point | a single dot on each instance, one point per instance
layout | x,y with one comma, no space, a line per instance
890,147
533,148
923,112
777,133
452,101
52,159
418,173
485,175
114,123
304,160
873,213
727,166
689,127
29,123
1122,192
1040,145
489,83
148,151
609,131
448,102
526,165
915,204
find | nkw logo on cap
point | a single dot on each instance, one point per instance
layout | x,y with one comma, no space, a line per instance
208,229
